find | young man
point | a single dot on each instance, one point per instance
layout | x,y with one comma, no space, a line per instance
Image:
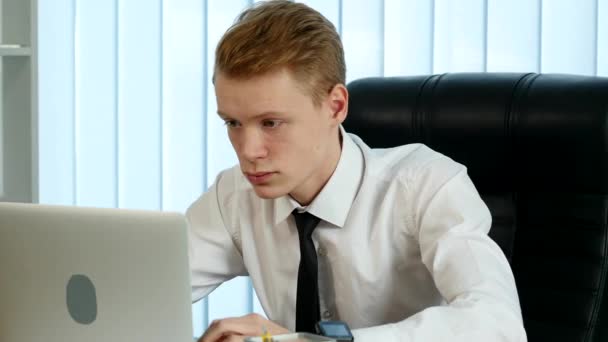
396,243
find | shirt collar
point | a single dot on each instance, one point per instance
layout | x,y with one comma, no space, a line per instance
333,203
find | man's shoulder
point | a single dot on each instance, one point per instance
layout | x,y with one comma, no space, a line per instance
233,176
406,162
226,187
231,182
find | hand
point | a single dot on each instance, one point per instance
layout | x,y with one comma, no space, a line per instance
235,329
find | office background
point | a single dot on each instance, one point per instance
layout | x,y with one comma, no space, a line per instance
127,110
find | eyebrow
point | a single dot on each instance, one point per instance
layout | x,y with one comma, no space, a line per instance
266,113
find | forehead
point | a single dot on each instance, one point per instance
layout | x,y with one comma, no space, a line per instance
277,90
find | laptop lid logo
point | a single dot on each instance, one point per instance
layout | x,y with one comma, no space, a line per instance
81,299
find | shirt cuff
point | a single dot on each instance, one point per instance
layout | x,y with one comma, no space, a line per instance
386,332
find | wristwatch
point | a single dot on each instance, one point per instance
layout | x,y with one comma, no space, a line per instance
337,330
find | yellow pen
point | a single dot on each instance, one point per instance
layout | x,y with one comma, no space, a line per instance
266,337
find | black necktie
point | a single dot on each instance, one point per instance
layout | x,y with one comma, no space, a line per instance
307,300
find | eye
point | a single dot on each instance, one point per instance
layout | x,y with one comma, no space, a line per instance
271,123
231,123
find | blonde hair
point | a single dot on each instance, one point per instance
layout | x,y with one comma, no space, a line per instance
278,34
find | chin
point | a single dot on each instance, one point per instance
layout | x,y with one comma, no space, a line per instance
268,192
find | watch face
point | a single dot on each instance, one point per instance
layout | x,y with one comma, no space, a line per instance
335,329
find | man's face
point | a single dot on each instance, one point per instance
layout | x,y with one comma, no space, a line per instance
285,144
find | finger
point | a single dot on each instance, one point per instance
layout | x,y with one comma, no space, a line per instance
234,338
226,327
248,325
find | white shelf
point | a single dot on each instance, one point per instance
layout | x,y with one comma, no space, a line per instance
15,51
18,101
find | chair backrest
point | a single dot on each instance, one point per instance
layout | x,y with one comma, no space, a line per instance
535,146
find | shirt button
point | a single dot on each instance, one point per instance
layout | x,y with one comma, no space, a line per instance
327,314
321,251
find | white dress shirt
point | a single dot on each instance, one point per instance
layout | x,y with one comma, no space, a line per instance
402,245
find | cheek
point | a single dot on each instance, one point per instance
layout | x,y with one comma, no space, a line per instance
293,151
238,140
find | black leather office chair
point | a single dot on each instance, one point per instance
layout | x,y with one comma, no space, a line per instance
536,148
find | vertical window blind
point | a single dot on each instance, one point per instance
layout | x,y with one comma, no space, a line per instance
127,110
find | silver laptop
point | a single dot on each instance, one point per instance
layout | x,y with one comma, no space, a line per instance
83,274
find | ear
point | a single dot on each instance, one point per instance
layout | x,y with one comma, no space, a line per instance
338,102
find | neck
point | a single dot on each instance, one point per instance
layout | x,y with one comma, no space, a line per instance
333,156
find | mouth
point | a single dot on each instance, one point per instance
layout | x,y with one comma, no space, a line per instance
258,177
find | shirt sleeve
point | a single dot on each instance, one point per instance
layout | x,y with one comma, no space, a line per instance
468,268
214,258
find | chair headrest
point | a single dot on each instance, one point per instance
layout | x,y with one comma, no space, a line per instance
514,131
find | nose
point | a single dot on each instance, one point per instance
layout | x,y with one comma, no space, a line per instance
252,145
